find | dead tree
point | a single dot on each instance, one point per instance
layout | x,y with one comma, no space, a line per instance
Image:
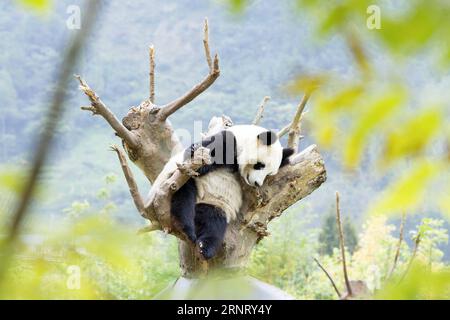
149,141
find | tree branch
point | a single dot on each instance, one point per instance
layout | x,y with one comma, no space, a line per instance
284,130
134,191
98,107
305,173
157,207
213,74
260,112
399,244
294,130
206,45
329,277
152,73
151,227
413,256
342,244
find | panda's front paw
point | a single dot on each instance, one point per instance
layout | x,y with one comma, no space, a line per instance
206,251
194,147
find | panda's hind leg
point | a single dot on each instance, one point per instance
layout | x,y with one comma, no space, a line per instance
210,224
183,209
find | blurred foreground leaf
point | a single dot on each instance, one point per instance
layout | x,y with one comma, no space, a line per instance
412,136
370,117
38,5
420,283
408,191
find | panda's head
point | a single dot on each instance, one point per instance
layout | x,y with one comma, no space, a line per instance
259,153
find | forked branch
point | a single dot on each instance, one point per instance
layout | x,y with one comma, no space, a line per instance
98,107
213,74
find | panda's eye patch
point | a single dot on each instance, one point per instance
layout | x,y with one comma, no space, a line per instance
259,166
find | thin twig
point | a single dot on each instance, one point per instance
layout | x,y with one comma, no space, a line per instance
260,111
342,245
152,73
399,244
416,248
329,277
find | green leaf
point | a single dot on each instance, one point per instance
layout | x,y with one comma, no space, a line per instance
414,135
342,100
407,192
38,5
306,83
237,6
370,118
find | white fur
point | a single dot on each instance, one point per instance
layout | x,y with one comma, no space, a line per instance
221,187
250,151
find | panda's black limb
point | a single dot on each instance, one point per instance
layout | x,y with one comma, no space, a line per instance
222,148
210,224
183,209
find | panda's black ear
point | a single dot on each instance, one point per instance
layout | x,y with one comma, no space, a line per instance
268,137
287,152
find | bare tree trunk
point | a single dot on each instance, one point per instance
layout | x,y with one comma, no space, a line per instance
149,141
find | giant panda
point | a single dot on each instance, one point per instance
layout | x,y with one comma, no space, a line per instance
203,207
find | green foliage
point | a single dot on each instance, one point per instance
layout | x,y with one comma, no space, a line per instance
419,284
237,5
113,262
376,106
432,235
285,258
38,5
286,261
408,191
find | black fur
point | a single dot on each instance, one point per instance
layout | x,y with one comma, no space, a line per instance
222,147
210,227
182,209
205,224
268,138
287,152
